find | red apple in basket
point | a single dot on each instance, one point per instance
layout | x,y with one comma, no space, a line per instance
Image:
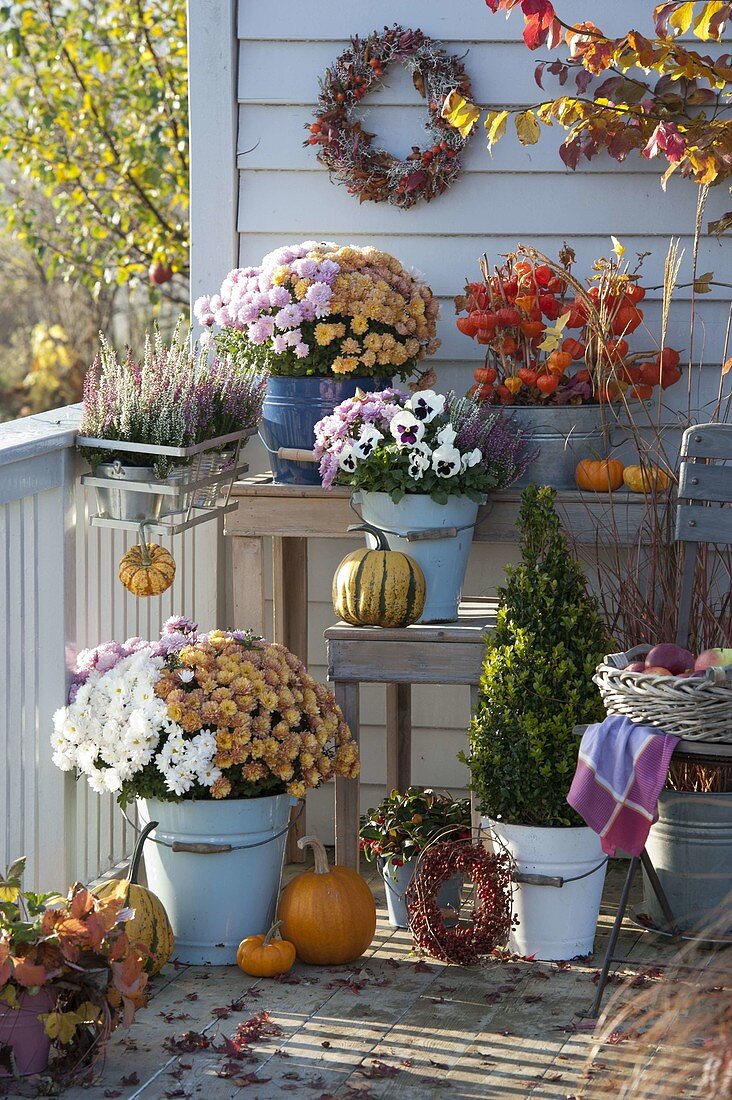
669,656
658,670
636,666
713,658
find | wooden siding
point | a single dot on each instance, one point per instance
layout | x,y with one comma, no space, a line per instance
518,194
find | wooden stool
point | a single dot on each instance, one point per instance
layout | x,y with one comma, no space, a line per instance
446,653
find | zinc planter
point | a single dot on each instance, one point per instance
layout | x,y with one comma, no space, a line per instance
554,922
564,435
215,899
292,408
396,882
21,1030
117,502
691,849
443,560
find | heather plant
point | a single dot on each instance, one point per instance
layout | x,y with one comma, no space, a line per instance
537,677
176,396
428,443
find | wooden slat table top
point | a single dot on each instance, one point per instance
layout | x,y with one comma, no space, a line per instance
302,511
475,619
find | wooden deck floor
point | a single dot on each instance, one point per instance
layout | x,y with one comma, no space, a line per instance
390,1026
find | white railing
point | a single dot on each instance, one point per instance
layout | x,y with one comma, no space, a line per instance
59,593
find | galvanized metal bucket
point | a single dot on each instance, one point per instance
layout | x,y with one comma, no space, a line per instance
119,502
691,849
564,436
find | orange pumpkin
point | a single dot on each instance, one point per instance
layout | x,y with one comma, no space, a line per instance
599,475
328,913
265,956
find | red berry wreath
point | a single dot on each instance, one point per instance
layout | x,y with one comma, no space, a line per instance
346,149
492,914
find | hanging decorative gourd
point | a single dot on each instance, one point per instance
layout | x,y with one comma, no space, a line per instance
265,956
146,569
380,587
149,926
599,475
328,913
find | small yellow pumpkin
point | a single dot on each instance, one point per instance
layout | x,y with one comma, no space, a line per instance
265,956
380,587
646,479
149,926
328,913
147,569
600,475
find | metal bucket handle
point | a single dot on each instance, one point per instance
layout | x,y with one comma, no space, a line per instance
427,534
203,849
290,454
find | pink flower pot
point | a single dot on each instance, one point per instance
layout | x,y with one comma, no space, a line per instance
21,1029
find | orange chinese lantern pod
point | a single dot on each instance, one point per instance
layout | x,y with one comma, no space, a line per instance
599,475
485,374
635,293
669,377
528,376
573,347
466,326
669,357
558,362
532,328
547,383
617,350
513,385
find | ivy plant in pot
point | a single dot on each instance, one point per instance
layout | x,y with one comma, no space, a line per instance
217,735
399,828
535,688
323,321
420,466
69,974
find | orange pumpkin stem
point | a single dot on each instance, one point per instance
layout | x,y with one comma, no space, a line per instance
270,935
319,853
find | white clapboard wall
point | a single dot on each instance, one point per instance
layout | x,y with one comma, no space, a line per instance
254,81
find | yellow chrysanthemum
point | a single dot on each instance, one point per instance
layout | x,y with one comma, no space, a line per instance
301,289
359,324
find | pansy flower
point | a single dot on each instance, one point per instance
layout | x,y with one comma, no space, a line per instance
367,440
426,405
472,458
446,436
406,429
348,458
446,461
419,461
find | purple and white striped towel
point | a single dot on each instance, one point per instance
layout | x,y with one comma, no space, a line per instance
621,771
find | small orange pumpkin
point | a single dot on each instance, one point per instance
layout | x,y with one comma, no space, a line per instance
265,956
328,913
599,475
147,569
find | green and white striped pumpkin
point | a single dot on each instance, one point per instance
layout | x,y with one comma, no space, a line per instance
380,587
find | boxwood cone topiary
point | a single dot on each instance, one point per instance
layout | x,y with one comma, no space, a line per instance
537,677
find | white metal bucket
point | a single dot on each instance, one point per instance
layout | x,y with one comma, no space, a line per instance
215,899
443,560
555,922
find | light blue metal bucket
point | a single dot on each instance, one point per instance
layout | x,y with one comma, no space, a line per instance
214,898
442,556
396,882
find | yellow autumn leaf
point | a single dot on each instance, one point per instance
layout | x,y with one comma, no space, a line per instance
8,891
60,1025
618,248
495,126
527,128
460,112
554,333
702,27
681,18
727,366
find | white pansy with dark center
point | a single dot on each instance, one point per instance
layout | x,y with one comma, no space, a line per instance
406,429
348,458
426,405
419,461
446,461
472,458
446,436
367,441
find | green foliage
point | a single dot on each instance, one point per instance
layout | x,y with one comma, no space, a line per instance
402,825
537,677
93,110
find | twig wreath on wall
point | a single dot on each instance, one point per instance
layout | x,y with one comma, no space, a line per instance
347,150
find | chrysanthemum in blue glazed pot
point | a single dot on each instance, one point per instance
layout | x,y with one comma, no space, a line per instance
323,321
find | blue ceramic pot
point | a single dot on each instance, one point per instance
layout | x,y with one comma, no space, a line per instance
292,408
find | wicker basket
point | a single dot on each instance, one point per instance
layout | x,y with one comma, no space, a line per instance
696,709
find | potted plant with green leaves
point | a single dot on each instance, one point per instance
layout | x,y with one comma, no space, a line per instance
535,688
68,976
399,828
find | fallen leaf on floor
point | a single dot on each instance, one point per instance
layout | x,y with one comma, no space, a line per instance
131,1079
250,1079
379,1069
191,996
532,998
421,967
186,1043
110,1093
347,983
